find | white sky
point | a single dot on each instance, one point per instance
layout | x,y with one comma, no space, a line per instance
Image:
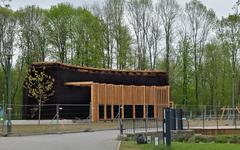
221,7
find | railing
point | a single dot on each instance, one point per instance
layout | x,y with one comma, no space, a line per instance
59,118
193,117
141,125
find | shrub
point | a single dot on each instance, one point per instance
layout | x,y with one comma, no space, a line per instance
221,139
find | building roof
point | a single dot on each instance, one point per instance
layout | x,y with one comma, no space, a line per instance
97,70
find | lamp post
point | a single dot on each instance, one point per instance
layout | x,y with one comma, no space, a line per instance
9,92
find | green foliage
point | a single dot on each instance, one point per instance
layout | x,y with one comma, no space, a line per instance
39,86
130,35
32,36
58,27
88,39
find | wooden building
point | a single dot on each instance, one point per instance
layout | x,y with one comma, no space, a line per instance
107,94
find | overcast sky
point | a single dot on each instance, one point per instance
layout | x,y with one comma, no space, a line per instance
221,7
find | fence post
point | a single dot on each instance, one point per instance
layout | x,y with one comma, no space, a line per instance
90,116
179,121
4,121
173,118
235,119
157,123
203,116
39,112
217,115
120,120
146,117
133,126
57,115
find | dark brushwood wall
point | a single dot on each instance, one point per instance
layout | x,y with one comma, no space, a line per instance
81,95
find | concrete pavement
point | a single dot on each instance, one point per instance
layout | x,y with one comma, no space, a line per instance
99,140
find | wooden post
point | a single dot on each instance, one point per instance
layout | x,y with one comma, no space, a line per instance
92,103
133,104
112,112
98,99
144,102
155,102
105,103
112,106
168,95
160,91
122,102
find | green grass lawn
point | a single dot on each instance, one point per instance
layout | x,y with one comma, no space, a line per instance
131,145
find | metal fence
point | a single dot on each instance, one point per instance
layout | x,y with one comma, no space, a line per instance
141,125
60,118
207,117
193,117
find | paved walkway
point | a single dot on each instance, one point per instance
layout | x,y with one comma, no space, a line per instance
100,140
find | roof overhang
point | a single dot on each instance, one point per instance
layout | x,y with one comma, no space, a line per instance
87,83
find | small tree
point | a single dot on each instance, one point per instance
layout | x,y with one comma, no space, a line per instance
40,87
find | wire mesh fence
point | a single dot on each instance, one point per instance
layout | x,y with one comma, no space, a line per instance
207,117
141,125
61,118
192,117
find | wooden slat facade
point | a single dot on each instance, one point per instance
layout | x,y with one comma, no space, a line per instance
111,95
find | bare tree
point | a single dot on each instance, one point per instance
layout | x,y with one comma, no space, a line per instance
32,36
201,22
4,3
139,12
168,10
154,37
106,15
7,35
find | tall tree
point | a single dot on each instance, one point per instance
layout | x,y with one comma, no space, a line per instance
105,15
88,39
139,18
168,10
32,34
230,35
201,21
212,70
7,39
185,61
116,34
59,20
123,50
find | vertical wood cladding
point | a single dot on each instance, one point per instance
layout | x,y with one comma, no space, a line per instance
152,98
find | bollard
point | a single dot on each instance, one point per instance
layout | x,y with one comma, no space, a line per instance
167,127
